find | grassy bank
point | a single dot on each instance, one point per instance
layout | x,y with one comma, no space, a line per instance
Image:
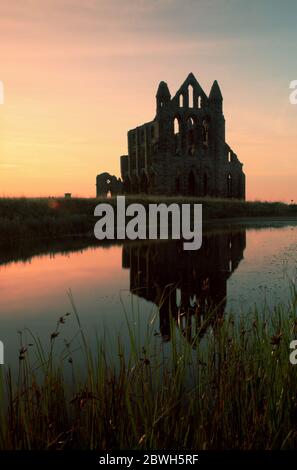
235,390
22,218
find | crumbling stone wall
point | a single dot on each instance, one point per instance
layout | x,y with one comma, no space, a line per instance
106,183
183,150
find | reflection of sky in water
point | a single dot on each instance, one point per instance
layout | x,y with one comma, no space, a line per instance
34,294
267,270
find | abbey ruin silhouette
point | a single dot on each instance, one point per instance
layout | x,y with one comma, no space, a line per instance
182,151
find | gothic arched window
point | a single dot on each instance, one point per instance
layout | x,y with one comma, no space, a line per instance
181,100
191,96
177,136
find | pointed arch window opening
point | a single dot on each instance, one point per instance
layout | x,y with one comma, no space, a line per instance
191,96
176,126
177,136
181,100
199,102
190,122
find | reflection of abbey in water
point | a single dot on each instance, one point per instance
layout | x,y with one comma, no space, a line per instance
186,285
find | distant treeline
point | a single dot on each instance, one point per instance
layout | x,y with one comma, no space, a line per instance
28,218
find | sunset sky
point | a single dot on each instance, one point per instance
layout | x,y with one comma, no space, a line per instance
78,74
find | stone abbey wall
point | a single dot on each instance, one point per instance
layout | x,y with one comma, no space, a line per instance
183,151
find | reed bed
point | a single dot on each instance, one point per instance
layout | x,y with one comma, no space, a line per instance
232,388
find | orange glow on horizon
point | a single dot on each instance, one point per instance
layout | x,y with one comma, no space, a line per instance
78,75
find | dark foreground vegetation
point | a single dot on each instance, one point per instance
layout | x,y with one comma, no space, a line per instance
235,388
24,218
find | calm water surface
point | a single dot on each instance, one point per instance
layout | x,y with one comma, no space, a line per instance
236,269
